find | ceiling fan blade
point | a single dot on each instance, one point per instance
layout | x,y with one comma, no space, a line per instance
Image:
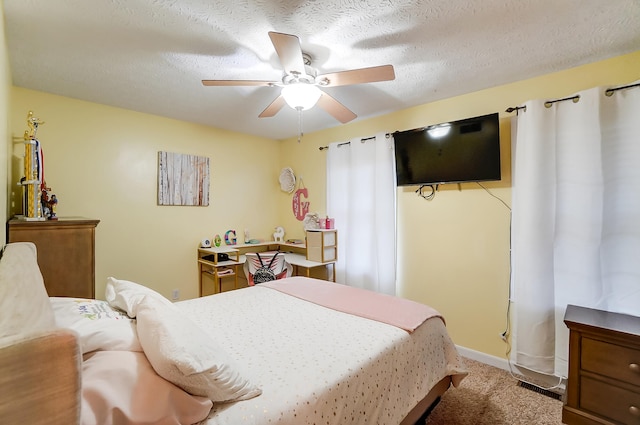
335,108
273,108
357,76
238,83
289,51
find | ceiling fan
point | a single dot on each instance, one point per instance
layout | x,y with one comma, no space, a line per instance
301,83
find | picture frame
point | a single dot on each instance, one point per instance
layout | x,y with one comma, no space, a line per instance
183,179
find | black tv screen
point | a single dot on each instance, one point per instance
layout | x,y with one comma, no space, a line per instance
461,151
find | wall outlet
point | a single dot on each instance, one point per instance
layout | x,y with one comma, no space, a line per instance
175,294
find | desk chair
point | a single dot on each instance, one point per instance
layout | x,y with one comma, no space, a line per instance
281,268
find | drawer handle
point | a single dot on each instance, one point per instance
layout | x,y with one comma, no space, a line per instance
634,411
634,367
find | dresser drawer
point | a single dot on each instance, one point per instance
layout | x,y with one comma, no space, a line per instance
321,255
610,401
611,360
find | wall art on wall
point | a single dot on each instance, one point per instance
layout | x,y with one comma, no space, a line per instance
300,207
183,179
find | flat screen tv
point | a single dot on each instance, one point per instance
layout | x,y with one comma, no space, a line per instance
460,151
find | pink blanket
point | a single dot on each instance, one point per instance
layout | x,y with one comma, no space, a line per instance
399,312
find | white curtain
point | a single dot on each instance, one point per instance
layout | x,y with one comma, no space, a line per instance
361,196
576,218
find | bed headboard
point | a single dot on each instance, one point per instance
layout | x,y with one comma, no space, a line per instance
39,363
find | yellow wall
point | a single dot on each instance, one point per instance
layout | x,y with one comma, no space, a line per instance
5,85
101,162
453,251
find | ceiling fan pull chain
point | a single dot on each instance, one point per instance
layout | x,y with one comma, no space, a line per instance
299,124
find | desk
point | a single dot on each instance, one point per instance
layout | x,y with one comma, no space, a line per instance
294,254
268,246
300,260
218,269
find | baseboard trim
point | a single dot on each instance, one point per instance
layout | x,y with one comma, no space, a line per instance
479,356
545,381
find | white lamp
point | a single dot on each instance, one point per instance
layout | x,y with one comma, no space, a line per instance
301,96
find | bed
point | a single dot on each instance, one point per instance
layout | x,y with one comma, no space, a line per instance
288,352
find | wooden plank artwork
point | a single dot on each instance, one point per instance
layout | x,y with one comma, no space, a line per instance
183,179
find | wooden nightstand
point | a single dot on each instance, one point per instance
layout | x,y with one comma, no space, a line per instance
604,368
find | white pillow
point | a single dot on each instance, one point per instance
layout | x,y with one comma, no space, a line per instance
98,325
24,302
126,295
120,387
182,353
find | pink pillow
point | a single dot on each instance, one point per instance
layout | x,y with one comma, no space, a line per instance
121,387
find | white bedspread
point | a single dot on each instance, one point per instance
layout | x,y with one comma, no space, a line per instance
320,366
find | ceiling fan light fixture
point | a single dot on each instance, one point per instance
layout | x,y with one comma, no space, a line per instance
301,96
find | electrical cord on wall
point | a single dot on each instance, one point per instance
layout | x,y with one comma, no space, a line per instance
498,198
507,331
429,196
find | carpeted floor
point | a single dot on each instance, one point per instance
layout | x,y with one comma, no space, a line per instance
491,396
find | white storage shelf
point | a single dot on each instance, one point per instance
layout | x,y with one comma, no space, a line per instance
322,245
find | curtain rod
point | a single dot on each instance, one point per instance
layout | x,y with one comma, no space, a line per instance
515,108
348,143
339,144
609,92
548,103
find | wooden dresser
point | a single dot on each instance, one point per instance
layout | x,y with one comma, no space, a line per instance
66,253
604,368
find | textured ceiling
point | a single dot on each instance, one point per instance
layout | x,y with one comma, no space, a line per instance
151,55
